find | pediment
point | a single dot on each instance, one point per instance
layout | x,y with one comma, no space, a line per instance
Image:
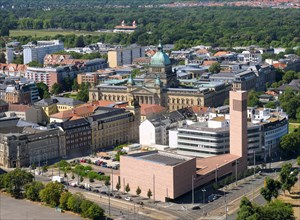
142,90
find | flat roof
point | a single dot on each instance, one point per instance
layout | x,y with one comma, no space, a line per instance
163,158
209,164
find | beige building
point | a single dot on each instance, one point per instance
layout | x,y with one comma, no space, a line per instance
161,87
115,126
124,56
31,146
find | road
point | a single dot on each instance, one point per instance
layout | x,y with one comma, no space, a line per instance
249,187
118,208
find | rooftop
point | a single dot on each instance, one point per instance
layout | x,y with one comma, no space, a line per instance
209,164
163,158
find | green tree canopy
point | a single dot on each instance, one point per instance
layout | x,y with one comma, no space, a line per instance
56,88
215,67
138,191
34,64
43,90
288,177
63,201
74,202
15,180
149,193
270,189
33,189
51,193
127,188
274,210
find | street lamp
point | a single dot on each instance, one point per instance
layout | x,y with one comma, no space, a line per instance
193,194
203,190
216,177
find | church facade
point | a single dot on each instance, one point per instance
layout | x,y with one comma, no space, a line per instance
160,86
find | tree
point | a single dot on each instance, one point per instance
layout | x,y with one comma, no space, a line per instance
73,177
2,58
32,190
127,188
290,142
56,88
277,210
51,193
84,206
74,202
34,64
274,210
287,177
149,193
63,201
67,83
75,85
107,182
215,68
246,209
271,105
253,99
43,90
138,191
83,95
81,179
298,160
79,41
289,76
94,212
15,181
44,169
118,186
270,189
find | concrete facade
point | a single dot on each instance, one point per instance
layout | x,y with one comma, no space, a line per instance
153,171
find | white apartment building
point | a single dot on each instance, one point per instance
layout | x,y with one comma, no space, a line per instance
37,52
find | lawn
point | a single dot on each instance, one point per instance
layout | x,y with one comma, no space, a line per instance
50,33
293,126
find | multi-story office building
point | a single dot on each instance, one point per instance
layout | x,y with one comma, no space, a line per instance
206,140
37,52
32,146
77,135
112,126
124,56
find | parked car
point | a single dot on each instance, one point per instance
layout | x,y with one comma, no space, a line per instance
117,196
100,173
196,207
104,165
88,189
95,190
128,198
103,192
140,203
81,186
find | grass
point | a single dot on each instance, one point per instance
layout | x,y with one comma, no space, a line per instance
71,95
293,126
50,33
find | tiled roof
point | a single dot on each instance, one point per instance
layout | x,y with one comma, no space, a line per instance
18,107
208,62
221,53
147,109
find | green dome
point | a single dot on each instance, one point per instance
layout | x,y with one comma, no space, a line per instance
160,58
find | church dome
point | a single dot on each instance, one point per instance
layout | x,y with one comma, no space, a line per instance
160,58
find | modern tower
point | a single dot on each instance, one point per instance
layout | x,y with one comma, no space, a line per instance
238,125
